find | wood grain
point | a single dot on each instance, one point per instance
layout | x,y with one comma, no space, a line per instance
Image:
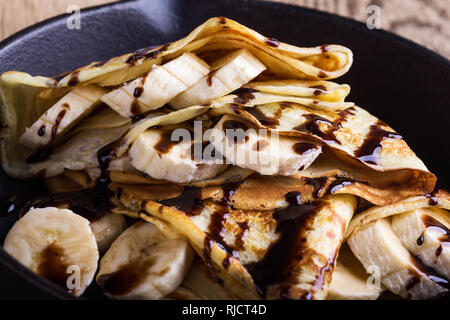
424,21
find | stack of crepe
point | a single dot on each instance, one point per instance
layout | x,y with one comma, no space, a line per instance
316,199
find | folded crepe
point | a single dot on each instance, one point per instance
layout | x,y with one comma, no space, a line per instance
266,212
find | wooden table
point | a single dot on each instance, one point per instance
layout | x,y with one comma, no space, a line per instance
424,21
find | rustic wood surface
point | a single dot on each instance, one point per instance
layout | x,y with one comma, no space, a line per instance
424,21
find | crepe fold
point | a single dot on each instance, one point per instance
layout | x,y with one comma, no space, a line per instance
438,199
24,98
258,249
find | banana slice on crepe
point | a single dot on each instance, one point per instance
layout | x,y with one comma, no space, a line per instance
246,146
144,264
68,111
230,73
169,157
377,246
350,280
56,244
425,233
159,86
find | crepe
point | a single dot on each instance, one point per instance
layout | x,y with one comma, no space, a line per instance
258,232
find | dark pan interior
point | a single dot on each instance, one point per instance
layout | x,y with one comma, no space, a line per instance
402,83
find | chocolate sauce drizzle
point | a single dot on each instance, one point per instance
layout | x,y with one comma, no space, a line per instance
216,226
73,81
41,131
54,266
312,125
272,42
127,277
244,95
303,148
433,200
429,272
434,224
138,92
146,53
166,142
189,201
318,185
369,150
284,254
58,120
270,122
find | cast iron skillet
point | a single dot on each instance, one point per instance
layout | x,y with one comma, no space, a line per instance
397,80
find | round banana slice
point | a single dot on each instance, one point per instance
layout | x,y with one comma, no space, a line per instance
248,147
107,229
143,264
56,244
161,157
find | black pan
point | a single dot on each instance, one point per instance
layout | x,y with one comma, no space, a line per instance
397,80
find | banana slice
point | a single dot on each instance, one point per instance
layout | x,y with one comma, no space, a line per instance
122,164
161,85
350,279
425,233
56,244
378,247
246,146
107,229
143,264
230,73
73,107
157,155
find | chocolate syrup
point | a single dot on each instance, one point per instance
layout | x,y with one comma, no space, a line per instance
209,79
430,272
433,200
363,205
189,201
138,92
99,64
244,95
329,135
420,240
166,142
281,257
73,81
439,250
146,53
303,148
260,145
127,277
54,266
318,185
262,118
58,120
339,183
272,42
84,203
434,224
41,131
